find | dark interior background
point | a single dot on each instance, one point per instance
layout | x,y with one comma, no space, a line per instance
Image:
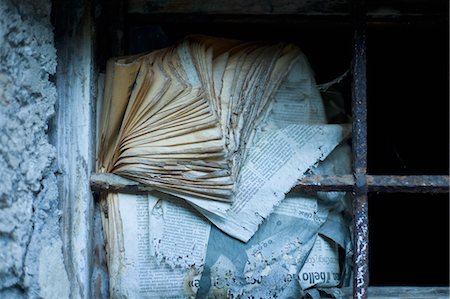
408,122
408,133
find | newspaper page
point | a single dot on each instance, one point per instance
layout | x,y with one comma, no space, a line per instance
267,265
297,99
293,253
162,248
321,268
285,258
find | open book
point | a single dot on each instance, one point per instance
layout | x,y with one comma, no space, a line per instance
222,129
182,119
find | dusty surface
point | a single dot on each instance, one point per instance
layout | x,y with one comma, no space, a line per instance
30,256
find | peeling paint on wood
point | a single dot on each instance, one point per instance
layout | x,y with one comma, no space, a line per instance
396,9
237,6
402,292
75,135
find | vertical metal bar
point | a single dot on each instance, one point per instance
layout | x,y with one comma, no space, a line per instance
359,112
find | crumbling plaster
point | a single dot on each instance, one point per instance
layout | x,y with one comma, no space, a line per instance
31,251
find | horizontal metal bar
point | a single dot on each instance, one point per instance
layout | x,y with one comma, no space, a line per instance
114,183
375,183
326,183
411,183
378,183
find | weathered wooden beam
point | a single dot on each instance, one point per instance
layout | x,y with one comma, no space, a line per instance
74,140
235,6
395,9
403,292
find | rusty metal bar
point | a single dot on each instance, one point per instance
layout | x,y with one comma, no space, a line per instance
359,151
408,184
377,183
326,183
114,183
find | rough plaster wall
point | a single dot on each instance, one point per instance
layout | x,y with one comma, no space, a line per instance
31,261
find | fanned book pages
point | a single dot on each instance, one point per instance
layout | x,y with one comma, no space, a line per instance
182,119
222,130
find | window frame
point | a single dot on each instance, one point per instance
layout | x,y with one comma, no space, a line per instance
360,183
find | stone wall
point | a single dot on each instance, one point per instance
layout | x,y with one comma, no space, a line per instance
31,256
